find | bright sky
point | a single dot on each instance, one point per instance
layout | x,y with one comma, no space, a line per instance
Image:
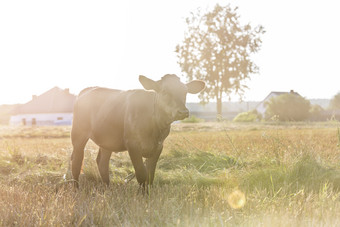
76,44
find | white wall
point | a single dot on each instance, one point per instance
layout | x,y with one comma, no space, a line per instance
42,119
261,109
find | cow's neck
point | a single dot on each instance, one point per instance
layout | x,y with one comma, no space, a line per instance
162,120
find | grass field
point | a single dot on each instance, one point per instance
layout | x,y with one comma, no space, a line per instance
221,174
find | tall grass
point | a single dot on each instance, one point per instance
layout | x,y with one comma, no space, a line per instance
289,175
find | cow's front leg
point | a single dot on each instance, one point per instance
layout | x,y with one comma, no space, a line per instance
138,165
151,166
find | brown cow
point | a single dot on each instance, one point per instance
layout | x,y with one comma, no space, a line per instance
134,120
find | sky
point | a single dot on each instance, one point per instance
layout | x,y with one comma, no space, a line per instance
77,44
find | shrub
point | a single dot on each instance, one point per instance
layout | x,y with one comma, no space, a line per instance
316,113
335,102
288,107
246,117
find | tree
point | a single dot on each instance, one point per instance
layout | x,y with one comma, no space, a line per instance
217,48
335,102
288,107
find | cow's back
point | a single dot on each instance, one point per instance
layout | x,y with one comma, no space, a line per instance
90,102
101,114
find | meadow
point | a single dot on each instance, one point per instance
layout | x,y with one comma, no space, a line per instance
209,174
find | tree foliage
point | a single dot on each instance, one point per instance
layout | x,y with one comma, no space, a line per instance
217,49
288,107
335,102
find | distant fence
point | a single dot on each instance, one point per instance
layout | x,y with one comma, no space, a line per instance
211,116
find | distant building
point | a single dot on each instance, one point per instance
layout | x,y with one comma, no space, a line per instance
262,106
54,107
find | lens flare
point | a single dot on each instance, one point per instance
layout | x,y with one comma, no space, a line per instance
236,199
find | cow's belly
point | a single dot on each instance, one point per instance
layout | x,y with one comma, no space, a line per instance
145,146
149,151
109,140
111,143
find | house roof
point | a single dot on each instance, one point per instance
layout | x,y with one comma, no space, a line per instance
278,93
55,100
274,94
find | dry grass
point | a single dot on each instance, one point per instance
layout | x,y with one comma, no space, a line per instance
289,174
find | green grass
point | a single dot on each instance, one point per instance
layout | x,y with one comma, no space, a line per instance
290,176
306,174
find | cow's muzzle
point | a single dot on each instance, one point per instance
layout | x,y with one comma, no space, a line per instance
182,114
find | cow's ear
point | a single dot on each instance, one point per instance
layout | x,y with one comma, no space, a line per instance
148,84
195,86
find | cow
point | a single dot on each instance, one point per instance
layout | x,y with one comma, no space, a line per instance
135,120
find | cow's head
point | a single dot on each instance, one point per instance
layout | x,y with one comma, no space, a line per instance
171,94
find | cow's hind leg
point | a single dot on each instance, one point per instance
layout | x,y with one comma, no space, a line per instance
103,161
77,156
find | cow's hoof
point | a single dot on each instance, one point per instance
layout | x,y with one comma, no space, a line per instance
143,189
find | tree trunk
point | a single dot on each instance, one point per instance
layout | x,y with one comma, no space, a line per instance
219,108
